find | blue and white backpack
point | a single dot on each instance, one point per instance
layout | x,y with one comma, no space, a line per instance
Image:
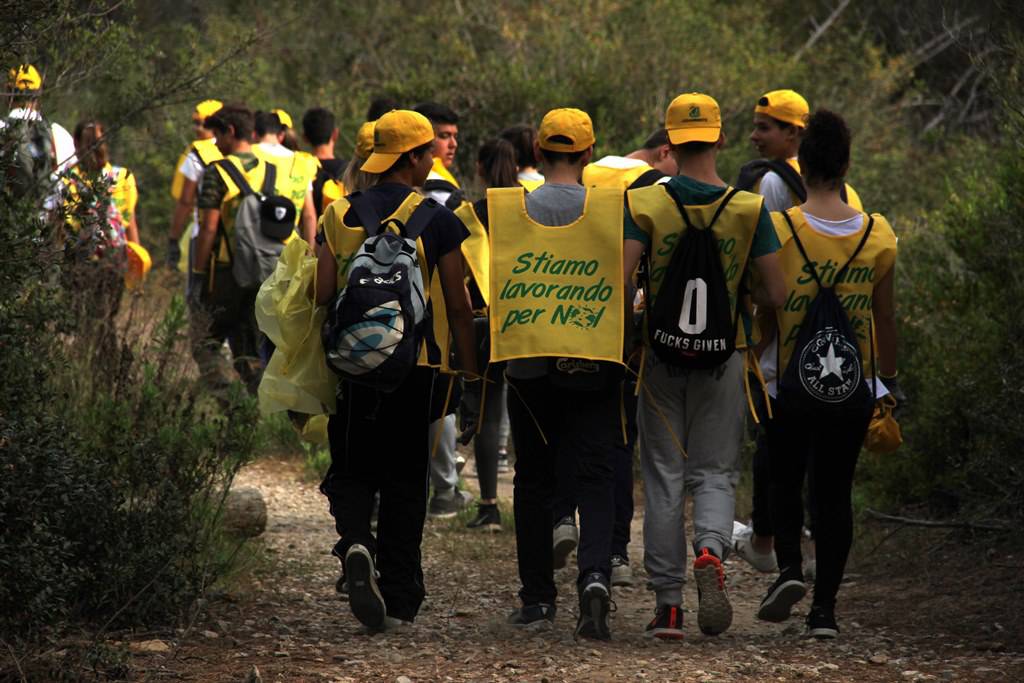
375,323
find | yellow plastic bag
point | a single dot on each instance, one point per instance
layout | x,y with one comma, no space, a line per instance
139,263
297,379
884,434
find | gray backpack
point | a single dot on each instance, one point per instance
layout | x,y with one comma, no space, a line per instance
263,223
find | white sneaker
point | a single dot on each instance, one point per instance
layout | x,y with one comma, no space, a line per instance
622,575
742,544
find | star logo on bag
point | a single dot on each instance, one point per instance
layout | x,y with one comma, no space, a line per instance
831,364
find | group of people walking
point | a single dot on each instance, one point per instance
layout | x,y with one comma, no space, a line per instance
635,300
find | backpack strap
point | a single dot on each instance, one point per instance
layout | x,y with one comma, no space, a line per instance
718,212
421,217
867,233
810,265
455,199
236,176
789,176
368,218
646,178
269,180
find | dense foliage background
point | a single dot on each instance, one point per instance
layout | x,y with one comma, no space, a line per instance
932,91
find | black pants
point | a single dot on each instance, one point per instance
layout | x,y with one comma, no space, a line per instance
826,450
379,444
622,466
224,312
581,427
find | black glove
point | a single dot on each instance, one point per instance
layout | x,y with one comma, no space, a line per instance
469,409
896,391
173,252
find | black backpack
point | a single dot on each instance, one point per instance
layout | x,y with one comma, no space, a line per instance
27,156
825,374
456,196
753,171
690,324
376,322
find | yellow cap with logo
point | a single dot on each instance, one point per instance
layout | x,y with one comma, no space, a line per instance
693,117
364,140
572,124
395,133
283,117
24,77
208,108
787,106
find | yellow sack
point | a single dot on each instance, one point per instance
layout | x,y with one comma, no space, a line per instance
139,263
884,434
297,378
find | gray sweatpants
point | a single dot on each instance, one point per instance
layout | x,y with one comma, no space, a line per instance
705,410
443,475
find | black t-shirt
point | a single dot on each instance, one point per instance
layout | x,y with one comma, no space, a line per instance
445,232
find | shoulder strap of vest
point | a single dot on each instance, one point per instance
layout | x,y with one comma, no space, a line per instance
789,176
860,245
420,218
368,218
236,176
269,180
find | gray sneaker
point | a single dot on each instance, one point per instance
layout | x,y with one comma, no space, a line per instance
622,575
564,538
448,505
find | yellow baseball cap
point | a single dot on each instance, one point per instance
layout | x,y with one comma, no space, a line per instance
787,106
208,108
283,117
364,140
693,117
24,77
568,123
395,133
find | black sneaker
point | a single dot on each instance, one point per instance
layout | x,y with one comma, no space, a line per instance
364,596
821,623
487,518
787,590
595,604
341,586
667,623
449,505
533,616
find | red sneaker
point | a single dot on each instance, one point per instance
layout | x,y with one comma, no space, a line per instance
714,613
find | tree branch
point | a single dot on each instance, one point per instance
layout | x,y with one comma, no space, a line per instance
820,30
937,524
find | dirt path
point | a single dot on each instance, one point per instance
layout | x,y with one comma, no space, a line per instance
289,624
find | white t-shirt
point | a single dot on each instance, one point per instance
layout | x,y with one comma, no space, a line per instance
192,168
775,191
439,196
276,149
528,176
63,143
770,356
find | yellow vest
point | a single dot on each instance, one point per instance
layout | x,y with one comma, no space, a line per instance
298,170
344,241
556,291
596,175
207,152
531,185
852,198
333,191
657,214
233,197
476,249
443,172
829,254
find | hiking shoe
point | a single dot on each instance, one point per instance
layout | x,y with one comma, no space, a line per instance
667,623
595,605
363,594
503,466
622,575
533,616
448,505
487,518
564,539
787,590
743,544
714,613
460,463
821,623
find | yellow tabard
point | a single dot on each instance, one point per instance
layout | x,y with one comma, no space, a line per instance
476,249
828,254
596,175
229,205
443,172
344,242
531,185
207,152
299,169
556,291
657,214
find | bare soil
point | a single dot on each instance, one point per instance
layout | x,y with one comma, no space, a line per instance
914,609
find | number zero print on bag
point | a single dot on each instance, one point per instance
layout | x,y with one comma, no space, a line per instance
695,300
